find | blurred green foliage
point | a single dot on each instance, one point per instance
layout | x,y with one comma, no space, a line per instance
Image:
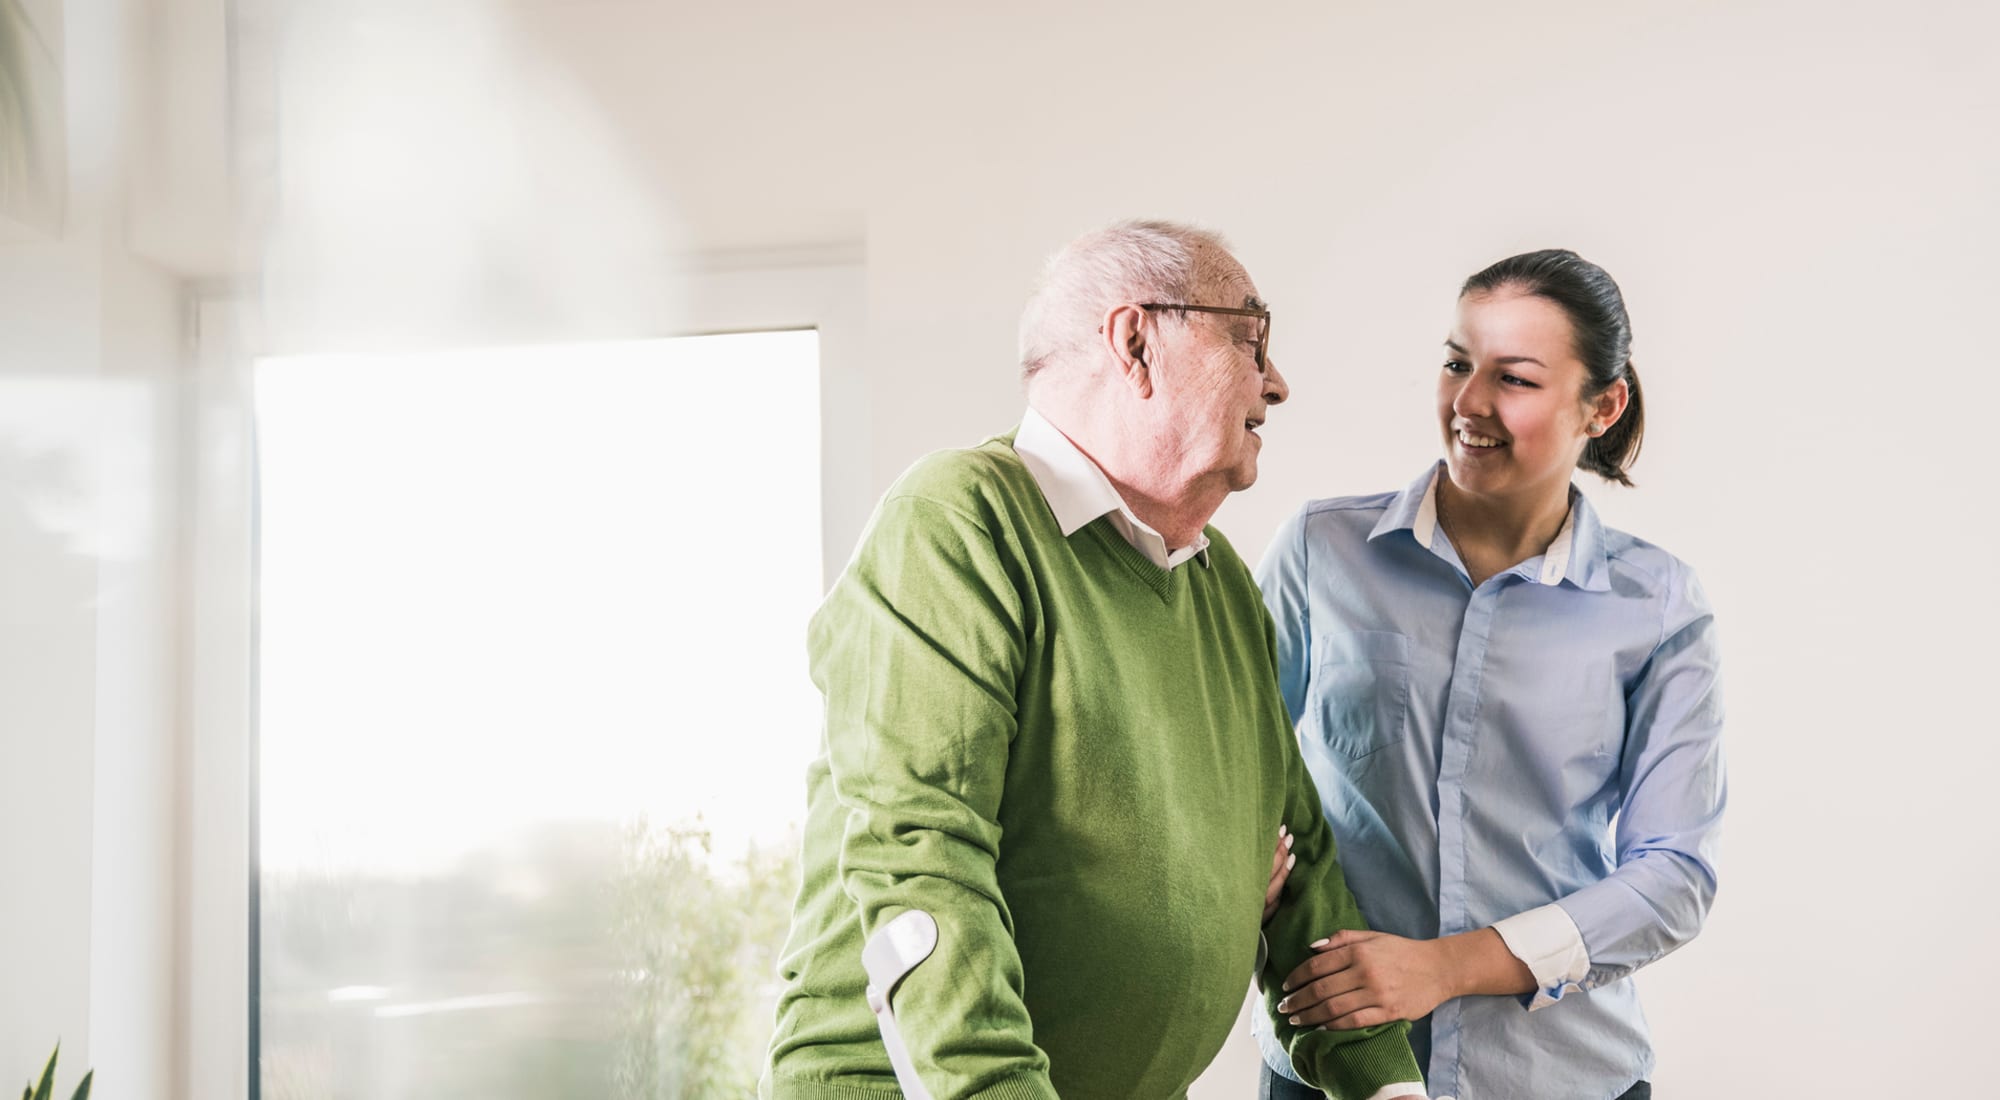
579,959
701,944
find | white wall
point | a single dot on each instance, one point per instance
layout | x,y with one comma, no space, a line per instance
87,714
1798,200
47,657
89,338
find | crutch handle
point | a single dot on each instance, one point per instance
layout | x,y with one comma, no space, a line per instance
891,953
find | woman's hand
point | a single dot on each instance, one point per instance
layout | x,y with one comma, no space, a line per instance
1360,979
1281,869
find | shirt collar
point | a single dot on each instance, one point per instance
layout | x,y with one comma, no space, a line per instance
1078,492
1414,509
1576,554
1589,565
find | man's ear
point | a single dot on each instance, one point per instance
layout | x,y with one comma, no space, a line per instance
1124,335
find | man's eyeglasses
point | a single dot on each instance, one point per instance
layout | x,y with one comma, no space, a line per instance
1263,317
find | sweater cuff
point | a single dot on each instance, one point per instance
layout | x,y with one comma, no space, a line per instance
1551,946
1033,1086
1358,1069
1399,1089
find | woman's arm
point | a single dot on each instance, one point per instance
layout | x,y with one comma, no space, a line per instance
1675,789
1358,979
1657,898
1282,862
1283,577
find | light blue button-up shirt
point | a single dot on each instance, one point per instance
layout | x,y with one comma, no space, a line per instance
1552,736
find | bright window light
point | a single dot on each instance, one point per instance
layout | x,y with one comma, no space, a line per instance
531,679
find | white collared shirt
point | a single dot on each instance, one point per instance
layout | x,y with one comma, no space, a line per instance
1078,492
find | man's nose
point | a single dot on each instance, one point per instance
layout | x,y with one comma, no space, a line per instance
1276,389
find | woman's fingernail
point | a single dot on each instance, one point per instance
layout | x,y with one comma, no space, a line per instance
1295,1021
1318,943
1288,842
1285,1005
1282,831
1285,987
1291,859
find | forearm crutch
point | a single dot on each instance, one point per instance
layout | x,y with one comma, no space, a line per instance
891,953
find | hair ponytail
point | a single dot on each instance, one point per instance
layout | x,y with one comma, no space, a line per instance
1611,454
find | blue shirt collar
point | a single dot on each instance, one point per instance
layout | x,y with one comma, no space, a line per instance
1576,555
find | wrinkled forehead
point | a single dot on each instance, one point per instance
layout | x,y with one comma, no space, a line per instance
1225,283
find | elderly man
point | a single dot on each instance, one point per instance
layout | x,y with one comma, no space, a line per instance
1055,754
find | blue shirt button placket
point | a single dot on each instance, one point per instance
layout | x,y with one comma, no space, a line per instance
1462,711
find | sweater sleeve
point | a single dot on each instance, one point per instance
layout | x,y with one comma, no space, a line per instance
1347,1065
918,650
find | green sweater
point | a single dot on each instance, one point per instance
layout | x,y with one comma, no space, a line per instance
1077,763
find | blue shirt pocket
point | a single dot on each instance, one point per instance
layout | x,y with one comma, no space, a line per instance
1360,690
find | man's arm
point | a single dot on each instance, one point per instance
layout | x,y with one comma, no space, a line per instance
918,650
1356,1064
1366,1063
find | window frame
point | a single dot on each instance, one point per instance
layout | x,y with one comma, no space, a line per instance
819,289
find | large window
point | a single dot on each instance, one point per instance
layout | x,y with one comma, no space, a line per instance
532,714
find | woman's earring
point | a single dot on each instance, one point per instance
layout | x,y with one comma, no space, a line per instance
1597,429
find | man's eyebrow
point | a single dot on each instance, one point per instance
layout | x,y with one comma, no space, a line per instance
1504,360
1251,301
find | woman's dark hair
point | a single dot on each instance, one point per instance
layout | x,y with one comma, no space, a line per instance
1603,340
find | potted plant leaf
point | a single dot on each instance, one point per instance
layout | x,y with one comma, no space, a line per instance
44,1090
31,123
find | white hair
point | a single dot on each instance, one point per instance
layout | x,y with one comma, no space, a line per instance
1133,261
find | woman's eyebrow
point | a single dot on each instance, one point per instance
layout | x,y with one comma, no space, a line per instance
1504,360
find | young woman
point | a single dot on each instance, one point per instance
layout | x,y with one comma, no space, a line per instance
1511,712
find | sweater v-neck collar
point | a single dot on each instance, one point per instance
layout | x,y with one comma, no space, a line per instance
1161,581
